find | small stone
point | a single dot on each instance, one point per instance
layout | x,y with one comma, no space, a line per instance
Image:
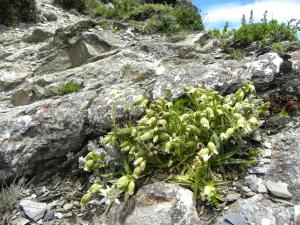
34,210
49,215
278,189
76,204
261,188
59,215
232,219
266,153
253,182
232,197
297,214
20,221
268,145
68,206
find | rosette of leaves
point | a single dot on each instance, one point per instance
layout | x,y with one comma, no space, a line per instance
189,140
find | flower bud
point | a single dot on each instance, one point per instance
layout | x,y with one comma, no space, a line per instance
131,188
133,132
161,124
138,161
239,95
253,121
192,129
95,188
168,146
107,139
210,112
230,132
212,147
223,136
143,121
124,144
93,156
219,112
155,139
147,136
137,172
204,123
139,101
204,154
123,182
163,137
126,149
184,117
86,198
143,165
241,123
89,165
150,113
152,121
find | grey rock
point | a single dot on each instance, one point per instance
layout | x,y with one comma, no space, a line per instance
232,219
38,35
254,183
258,209
295,60
264,68
195,39
20,221
49,215
278,189
211,46
34,210
68,206
232,197
266,153
285,162
50,16
160,204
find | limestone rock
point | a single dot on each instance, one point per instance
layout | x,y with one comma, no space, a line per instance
278,189
34,210
160,204
39,35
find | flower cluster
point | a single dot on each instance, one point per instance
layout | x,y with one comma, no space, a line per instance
182,138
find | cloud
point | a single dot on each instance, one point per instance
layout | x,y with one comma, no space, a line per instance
282,10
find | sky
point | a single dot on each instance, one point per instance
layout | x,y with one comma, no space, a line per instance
216,12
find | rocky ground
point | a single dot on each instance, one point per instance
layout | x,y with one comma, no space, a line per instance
44,127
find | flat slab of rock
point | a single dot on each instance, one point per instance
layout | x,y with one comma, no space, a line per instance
157,204
278,189
34,210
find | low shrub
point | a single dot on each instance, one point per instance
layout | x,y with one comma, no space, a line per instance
190,141
151,18
265,32
12,12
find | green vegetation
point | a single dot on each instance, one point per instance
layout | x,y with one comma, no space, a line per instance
66,88
9,195
284,114
191,141
147,17
265,33
12,12
277,47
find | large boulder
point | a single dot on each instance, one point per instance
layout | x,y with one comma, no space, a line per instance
157,203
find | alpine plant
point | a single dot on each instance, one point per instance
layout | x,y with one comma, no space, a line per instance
188,141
